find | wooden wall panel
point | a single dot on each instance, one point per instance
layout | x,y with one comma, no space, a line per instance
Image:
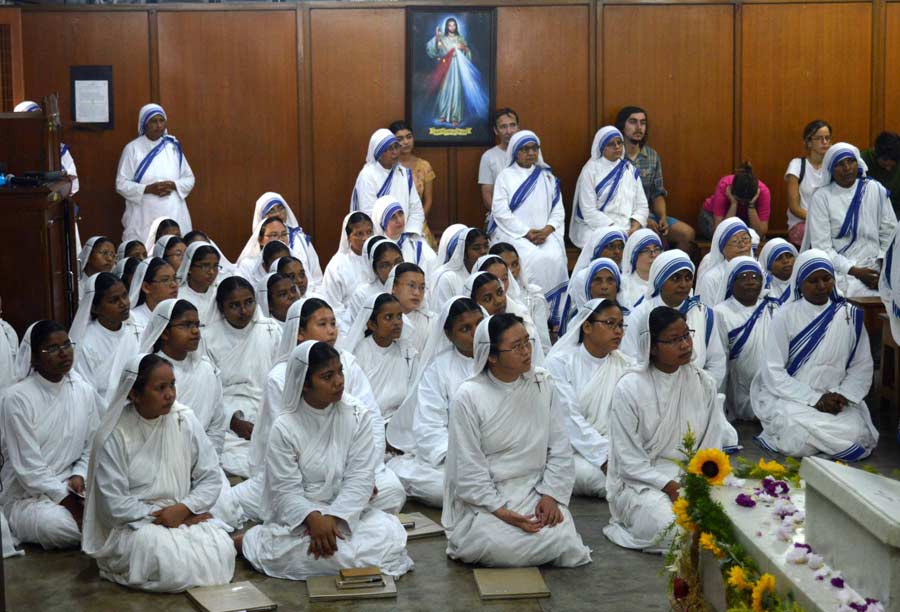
358,77
892,70
12,18
468,193
116,38
681,70
544,77
439,158
790,79
233,105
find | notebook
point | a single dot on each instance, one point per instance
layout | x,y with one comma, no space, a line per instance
231,598
514,583
422,526
324,588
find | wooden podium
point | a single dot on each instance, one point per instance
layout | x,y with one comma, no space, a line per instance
38,263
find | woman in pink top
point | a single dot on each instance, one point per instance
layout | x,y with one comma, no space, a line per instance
739,195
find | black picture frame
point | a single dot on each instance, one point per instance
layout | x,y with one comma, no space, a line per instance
93,73
464,92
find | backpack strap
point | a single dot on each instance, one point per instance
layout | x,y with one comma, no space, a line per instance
802,170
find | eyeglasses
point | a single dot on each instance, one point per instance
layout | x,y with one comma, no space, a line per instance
420,288
188,325
652,250
205,267
531,148
282,236
106,254
680,339
822,139
58,348
523,347
611,324
617,245
749,276
169,280
740,240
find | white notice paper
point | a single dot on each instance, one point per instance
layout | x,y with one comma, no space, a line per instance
92,101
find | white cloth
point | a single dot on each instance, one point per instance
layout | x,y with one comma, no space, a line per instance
389,370
508,447
204,302
139,466
415,249
344,273
773,286
39,460
321,460
9,348
243,358
839,361
374,181
543,206
877,221
888,287
370,287
492,163
142,208
711,273
607,193
633,286
812,179
651,412
450,277
579,290
101,354
595,245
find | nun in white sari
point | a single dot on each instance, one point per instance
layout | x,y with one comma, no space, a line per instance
509,469
642,247
382,255
419,428
40,464
586,365
606,242
653,406
743,315
589,281
85,267
154,177
9,347
380,177
773,252
853,224
810,391
193,276
671,278
527,211
609,191
450,277
319,476
162,284
348,269
271,204
153,478
731,239
390,221
390,496
243,356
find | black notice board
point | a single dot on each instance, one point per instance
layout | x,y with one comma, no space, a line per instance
93,73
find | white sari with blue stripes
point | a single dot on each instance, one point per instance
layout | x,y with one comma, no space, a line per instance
812,350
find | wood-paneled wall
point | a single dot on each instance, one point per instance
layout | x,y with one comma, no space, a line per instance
285,97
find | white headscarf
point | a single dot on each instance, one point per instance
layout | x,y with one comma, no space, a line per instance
264,204
385,207
85,254
151,235
291,330
808,262
158,323
185,267
23,357
360,324
596,242
159,249
446,237
733,269
579,291
379,142
519,140
602,138
840,151
83,314
664,267
27,106
119,268
724,232
134,291
148,112
369,254
569,341
344,246
454,252
262,293
637,242
772,250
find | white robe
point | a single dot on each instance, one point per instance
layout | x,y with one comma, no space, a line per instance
417,330
142,208
204,302
422,471
651,412
874,234
323,460
730,316
145,465
785,403
101,354
546,263
9,348
632,289
243,358
39,459
369,182
629,201
389,370
343,274
586,385
140,316
508,447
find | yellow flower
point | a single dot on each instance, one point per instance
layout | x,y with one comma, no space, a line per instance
708,541
772,467
712,464
682,518
738,579
765,584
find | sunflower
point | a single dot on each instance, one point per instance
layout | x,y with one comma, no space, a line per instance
738,579
708,541
712,464
765,584
682,518
772,467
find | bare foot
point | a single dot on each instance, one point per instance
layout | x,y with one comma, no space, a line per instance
442,119
238,540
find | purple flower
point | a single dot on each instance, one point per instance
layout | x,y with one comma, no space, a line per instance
774,488
806,546
837,583
745,500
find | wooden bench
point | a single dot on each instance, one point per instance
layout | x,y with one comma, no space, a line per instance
889,376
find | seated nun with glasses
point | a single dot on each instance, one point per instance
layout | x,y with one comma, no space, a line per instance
731,239
653,406
509,470
586,364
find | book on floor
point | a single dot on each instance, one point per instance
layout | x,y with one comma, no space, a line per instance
513,583
422,526
324,588
231,598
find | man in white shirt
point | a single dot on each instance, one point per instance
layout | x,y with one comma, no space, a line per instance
506,123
